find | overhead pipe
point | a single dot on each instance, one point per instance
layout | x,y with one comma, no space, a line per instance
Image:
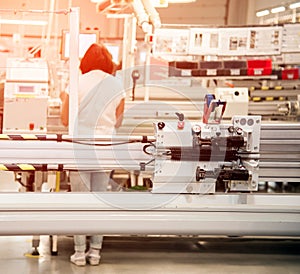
141,15
153,14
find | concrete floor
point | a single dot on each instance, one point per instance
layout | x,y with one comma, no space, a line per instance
124,255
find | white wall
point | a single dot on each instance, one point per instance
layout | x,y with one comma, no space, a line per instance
255,5
237,13
267,3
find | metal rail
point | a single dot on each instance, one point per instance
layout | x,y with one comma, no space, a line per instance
146,213
279,152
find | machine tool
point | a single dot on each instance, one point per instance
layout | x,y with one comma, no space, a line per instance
26,96
195,157
205,177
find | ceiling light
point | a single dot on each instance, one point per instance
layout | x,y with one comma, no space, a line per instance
278,9
180,1
160,3
115,2
262,13
294,5
23,22
155,2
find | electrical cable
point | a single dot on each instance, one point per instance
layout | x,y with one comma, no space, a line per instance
147,146
150,161
100,145
59,138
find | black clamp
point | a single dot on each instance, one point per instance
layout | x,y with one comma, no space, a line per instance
59,137
144,139
142,166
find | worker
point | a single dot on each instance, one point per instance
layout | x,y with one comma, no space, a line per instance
101,105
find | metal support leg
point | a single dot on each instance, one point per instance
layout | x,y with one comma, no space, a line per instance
55,186
53,245
35,245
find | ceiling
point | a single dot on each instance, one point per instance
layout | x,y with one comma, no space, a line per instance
201,12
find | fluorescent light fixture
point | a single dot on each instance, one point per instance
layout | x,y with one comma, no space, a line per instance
23,22
160,3
262,13
294,5
278,9
155,2
113,2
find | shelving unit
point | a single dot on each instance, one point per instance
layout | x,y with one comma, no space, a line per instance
195,44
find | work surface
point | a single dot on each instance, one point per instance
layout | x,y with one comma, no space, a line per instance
127,255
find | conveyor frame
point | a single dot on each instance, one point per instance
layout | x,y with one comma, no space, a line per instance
234,214
150,214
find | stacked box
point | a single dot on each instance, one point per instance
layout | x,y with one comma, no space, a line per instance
234,68
209,68
258,67
277,72
182,68
290,74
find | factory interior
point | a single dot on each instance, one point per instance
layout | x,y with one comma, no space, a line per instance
184,157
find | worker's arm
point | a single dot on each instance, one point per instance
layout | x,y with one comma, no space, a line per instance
119,113
64,114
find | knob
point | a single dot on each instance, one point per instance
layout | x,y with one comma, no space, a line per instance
160,125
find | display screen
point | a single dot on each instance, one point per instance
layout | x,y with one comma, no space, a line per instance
26,89
114,50
85,40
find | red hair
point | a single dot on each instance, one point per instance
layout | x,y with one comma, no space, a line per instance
97,57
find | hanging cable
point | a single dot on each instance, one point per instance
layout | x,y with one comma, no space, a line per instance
15,11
